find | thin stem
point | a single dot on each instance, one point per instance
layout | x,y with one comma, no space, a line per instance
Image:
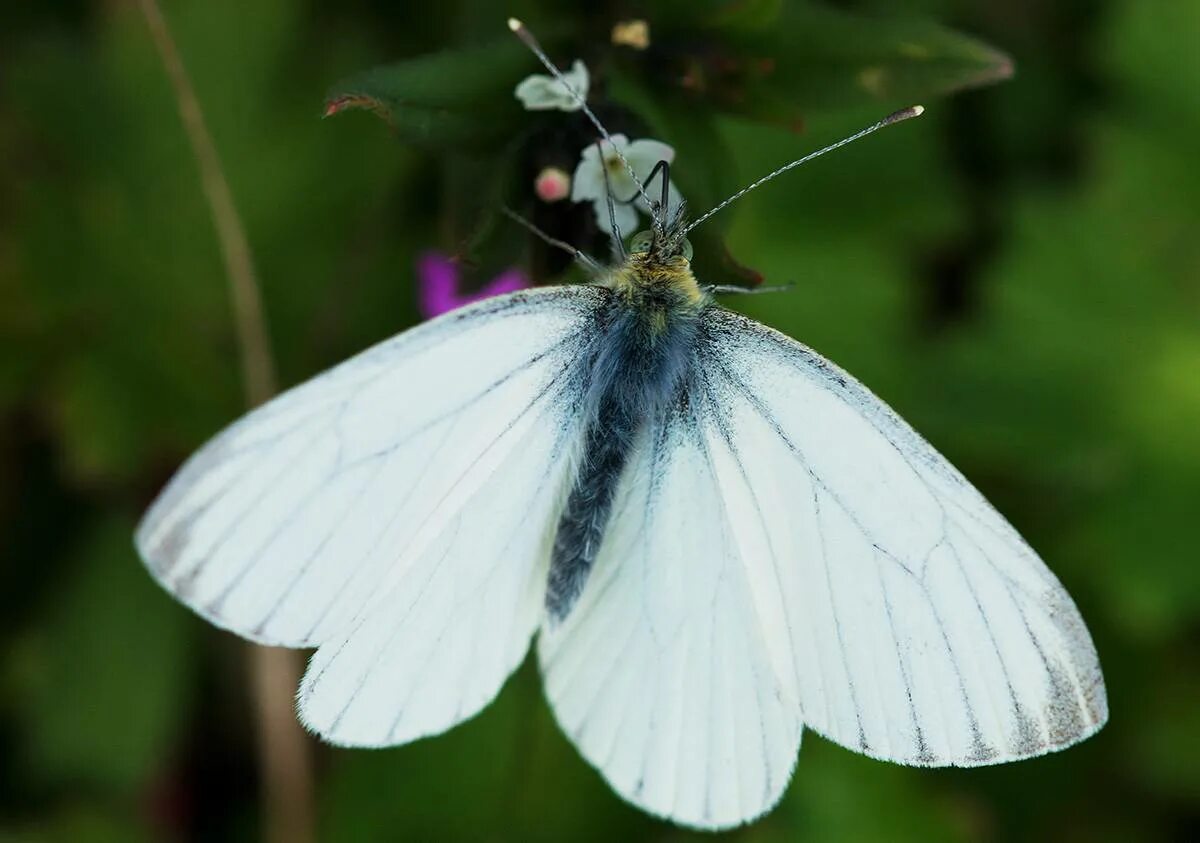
284,753
257,368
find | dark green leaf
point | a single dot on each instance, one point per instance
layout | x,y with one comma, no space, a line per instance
462,96
718,14
744,14
811,58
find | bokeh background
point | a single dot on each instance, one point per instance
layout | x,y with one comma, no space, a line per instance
1018,273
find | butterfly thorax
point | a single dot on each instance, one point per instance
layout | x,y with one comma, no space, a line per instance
647,279
638,367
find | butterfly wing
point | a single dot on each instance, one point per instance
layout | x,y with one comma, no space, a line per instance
395,510
922,628
663,673
784,549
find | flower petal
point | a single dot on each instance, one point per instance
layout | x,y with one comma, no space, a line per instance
588,179
507,282
437,285
540,92
645,153
579,80
533,92
625,216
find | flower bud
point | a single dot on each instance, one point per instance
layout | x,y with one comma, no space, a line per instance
552,184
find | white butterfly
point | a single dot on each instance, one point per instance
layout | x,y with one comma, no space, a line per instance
717,536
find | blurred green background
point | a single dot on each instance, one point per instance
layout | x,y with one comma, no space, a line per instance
1017,273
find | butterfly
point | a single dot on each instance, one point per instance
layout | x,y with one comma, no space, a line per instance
717,537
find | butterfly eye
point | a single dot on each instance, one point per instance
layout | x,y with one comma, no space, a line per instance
641,241
686,249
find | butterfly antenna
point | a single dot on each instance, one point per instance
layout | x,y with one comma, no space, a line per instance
895,117
529,41
582,258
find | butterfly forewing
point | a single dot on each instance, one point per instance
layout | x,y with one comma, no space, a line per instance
434,646
923,629
291,521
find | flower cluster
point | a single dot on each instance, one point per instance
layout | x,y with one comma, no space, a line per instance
600,170
604,168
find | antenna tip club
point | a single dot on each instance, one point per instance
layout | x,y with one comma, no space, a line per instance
903,114
515,25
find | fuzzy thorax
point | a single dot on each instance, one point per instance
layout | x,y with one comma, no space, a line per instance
651,281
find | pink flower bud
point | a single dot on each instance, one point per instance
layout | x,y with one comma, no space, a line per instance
552,184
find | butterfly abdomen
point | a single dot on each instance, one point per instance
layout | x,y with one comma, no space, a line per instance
585,515
639,361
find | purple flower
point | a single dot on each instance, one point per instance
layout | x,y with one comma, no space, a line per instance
437,280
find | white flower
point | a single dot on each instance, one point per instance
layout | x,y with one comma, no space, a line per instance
540,92
588,183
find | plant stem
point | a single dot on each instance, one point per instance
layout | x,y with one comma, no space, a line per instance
257,369
284,753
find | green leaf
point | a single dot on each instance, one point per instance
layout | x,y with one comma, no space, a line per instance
810,58
462,96
720,14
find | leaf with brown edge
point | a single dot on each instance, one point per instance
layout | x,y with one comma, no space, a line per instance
461,97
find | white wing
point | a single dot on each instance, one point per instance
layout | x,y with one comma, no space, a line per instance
665,673
921,628
785,550
395,510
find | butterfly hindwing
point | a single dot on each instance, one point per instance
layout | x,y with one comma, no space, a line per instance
664,673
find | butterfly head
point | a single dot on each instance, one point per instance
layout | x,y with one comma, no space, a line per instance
659,261
664,248
665,243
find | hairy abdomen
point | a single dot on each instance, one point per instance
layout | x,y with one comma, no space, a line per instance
638,366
